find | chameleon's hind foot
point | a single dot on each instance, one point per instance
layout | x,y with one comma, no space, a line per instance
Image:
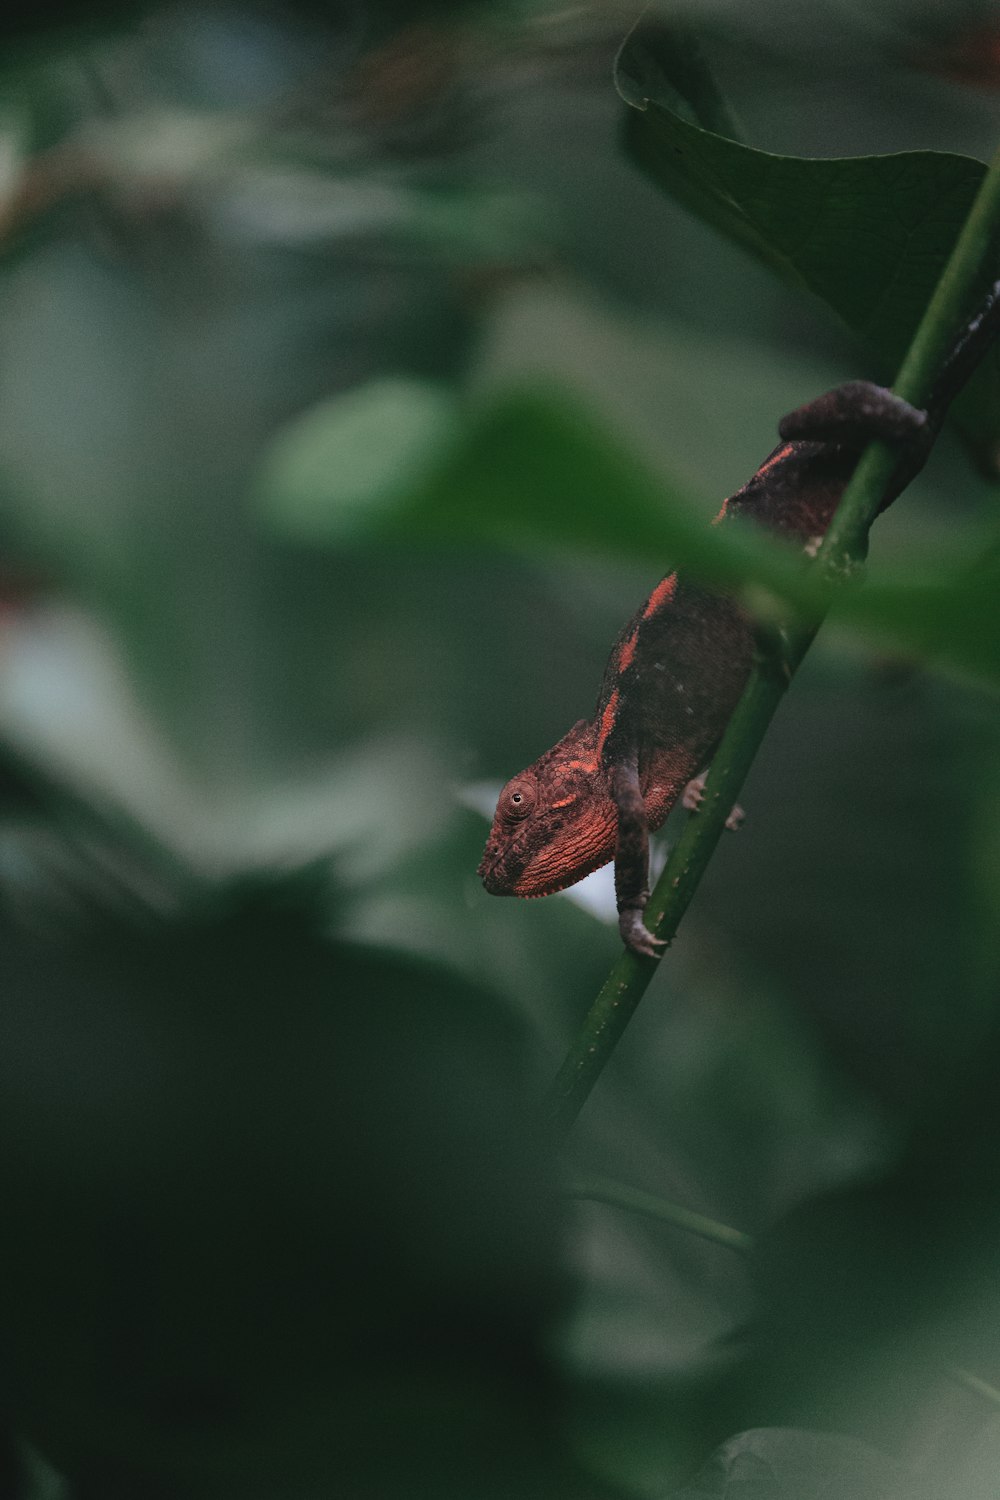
852,415
636,935
694,794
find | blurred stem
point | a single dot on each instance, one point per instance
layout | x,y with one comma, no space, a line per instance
842,548
618,1195
633,1200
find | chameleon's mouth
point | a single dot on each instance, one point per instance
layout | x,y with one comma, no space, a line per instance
500,869
497,884
493,879
548,890
506,876
536,877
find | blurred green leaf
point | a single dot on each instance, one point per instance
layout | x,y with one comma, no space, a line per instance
951,620
355,458
13,137
782,1463
535,470
869,235
41,1480
282,1185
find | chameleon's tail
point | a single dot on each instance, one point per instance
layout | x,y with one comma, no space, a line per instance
968,350
975,340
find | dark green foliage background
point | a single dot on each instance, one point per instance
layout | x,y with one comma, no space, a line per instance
349,438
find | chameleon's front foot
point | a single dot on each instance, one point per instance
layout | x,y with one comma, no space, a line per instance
694,794
636,935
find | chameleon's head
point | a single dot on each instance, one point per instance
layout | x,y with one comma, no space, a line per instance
554,823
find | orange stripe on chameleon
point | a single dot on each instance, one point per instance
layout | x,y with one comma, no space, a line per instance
582,765
769,463
664,591
627,651
607,721
775,458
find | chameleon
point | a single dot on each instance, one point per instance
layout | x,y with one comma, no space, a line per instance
679,666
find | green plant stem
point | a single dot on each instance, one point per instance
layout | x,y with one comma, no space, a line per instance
630,976
842,547
618,1195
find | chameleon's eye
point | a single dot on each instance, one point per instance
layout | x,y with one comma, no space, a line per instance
518,799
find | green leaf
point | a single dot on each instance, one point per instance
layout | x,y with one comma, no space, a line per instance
241,1089
533,469
351,460
536,471
41,1480
869,235
678,72
784,1463
951,620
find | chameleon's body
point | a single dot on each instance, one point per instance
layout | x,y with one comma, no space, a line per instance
673,679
